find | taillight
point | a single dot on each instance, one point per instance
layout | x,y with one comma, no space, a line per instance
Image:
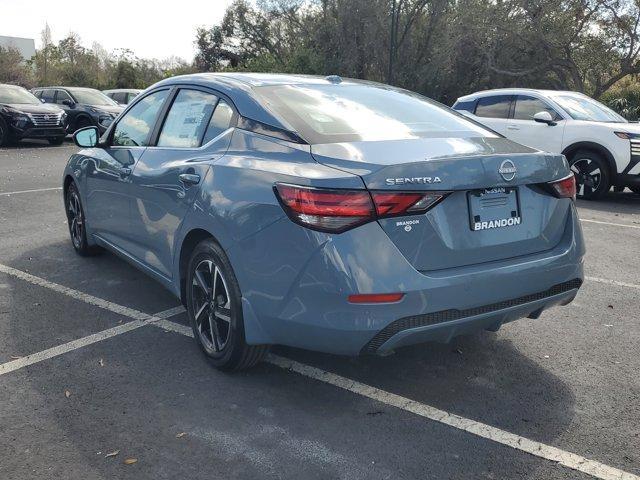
337,210
565,187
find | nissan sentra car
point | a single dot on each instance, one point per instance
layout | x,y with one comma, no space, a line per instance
329,214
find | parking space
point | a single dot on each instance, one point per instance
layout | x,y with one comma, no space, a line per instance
564,384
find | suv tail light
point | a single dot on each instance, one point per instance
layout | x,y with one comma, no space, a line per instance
338,210
565,187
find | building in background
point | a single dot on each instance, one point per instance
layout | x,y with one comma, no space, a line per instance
26,46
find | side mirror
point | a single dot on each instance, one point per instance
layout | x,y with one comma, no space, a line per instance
68,103
86,137
544,117
42,100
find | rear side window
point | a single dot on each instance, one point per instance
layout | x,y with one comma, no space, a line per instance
187,119
48,95
130,96
220,121
468,105
118,96
494,107
527,107
133,128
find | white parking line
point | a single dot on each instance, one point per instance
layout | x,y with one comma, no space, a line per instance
517,442
30,191
84,341
613,282
626,225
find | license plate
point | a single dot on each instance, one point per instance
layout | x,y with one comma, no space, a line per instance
491,208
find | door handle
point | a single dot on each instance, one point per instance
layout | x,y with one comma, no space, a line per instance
513,127
189,179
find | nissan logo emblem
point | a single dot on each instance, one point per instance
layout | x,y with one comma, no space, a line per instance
507,170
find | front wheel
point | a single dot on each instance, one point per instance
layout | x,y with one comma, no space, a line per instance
592,175
214,306
5,134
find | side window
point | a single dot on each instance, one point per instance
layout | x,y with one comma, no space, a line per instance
130,97
187,119
62,96
48,95
220,121
133,128
119,97
38,93
494,107
527,107
467,105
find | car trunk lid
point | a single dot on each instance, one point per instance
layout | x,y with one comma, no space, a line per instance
495,209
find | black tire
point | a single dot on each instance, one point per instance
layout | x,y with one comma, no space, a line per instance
76,222
56,140
5,134
593,179
213,295
635,190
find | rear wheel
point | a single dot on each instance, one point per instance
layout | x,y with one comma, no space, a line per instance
592,175
76,221
214,305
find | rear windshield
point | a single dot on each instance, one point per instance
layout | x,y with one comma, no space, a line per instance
351,113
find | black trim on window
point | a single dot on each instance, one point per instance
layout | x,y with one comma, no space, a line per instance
264,129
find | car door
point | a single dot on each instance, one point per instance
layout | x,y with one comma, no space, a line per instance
64,100
522,128
493,111
108,177
167,178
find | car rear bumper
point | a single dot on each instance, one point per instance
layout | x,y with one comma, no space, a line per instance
311,310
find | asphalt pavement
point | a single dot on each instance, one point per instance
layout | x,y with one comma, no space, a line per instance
88,393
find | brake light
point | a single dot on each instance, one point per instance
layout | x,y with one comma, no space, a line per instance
565,187
337,210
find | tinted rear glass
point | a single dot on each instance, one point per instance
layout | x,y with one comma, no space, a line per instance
494,107
350,113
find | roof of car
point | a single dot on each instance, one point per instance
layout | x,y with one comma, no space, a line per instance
65,88
118,90
240,88
515,91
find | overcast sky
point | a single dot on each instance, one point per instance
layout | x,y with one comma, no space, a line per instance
148,28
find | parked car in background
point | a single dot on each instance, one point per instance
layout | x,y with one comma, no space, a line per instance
22,115
335,215
602,147
84,106
122,95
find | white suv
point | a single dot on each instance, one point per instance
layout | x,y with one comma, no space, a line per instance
602,147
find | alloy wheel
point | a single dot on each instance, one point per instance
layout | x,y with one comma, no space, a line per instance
75,218
211,305
588,176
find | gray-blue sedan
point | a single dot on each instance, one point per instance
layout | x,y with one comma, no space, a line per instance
324,213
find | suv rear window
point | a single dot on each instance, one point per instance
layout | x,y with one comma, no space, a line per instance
351,113
496,106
